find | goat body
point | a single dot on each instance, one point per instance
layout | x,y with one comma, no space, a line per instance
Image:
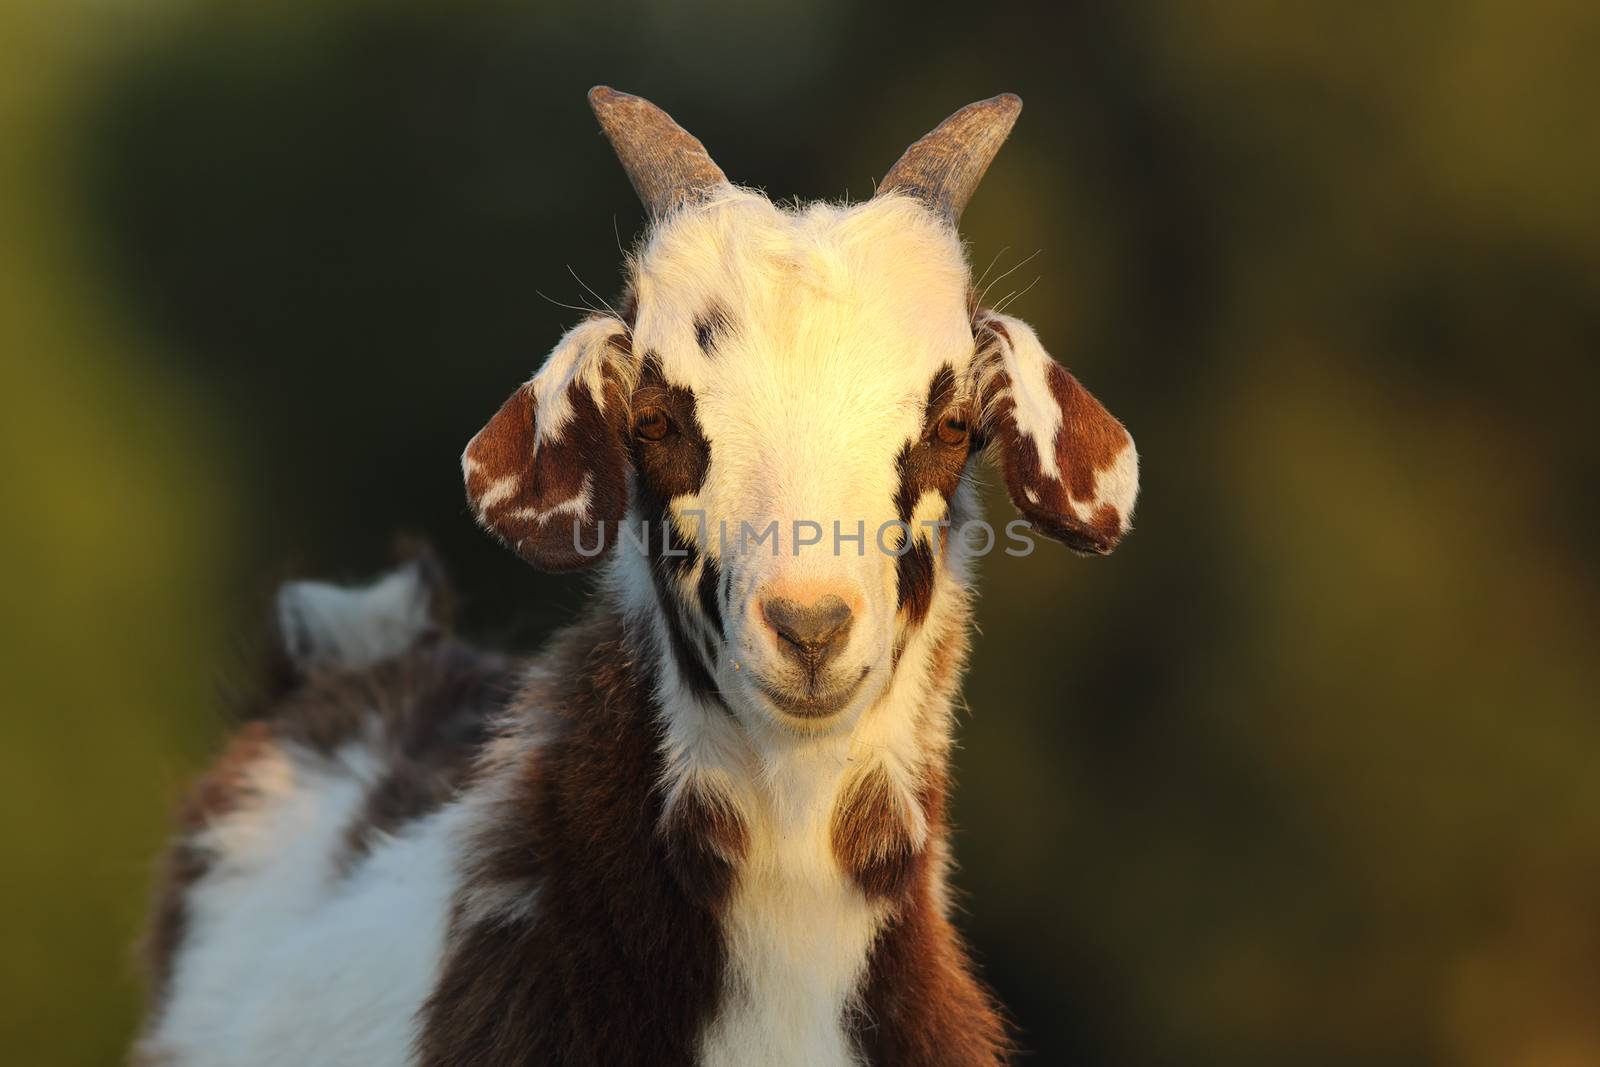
431,854
707,824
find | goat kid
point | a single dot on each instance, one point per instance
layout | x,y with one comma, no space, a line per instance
706,825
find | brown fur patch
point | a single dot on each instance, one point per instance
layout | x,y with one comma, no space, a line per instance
435,706
675,465
1090,439
666,469
930,464
623,962
927,464
429,704
921,1004
871,838
706,839
946,660
914,581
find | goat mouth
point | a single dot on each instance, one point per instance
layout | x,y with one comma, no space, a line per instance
812,703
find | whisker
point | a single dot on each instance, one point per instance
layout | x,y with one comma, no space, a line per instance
979,283
1015,296
592,293
1010,271
569,307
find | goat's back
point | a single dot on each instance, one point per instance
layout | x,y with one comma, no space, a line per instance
304,904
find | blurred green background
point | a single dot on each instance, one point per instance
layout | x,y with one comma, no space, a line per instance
1308,772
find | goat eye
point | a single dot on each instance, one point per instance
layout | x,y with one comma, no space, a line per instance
952,430
652,424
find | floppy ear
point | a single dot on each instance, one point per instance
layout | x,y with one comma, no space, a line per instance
1071,468
548,474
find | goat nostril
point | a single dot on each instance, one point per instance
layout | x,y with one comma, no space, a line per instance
812,632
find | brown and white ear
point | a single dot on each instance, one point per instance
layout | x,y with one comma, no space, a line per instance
548,475
1070,467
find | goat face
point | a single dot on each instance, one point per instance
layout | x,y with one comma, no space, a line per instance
779,429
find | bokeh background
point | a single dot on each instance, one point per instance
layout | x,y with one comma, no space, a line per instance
1308,772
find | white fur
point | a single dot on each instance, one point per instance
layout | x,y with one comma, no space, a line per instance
329,625
579,357
1037,414
290,961
798,932
500,490
1117,485
576,505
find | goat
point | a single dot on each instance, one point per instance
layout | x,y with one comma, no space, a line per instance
706,825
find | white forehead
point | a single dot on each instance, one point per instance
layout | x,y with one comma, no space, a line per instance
870,297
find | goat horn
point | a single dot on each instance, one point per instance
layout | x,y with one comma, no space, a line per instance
667,165
944,168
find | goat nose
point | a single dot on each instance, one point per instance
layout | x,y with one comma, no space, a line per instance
810,633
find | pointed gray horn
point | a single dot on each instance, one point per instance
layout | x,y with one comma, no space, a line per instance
944,168
667,165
